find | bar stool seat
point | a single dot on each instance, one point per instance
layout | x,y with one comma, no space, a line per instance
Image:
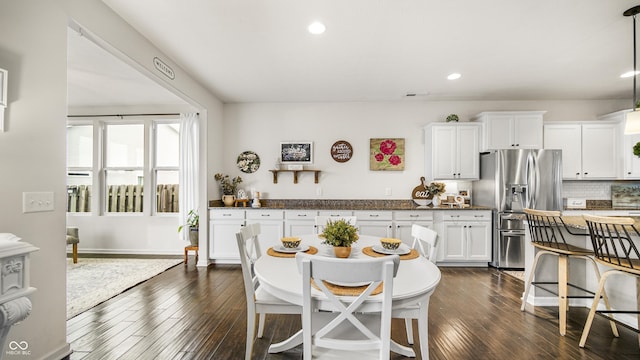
614,247
547,230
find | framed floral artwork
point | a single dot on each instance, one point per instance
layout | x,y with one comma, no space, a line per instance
386,154
248,162
297,152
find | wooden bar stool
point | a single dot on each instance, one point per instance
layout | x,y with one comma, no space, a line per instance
614,247
547,235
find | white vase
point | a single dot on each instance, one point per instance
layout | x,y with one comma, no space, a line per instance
436,200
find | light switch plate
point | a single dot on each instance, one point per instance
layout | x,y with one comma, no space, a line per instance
37,202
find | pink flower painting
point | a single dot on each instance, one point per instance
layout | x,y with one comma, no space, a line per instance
386,154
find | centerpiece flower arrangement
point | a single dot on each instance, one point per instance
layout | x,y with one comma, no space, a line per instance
229,187
340,234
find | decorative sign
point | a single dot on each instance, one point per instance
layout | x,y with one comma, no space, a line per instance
164,68
341,151
386,154
297,152
420,194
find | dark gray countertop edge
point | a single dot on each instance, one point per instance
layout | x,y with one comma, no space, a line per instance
314,204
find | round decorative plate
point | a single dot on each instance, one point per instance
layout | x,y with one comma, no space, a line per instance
248,162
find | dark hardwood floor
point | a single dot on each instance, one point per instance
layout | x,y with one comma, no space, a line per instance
196,313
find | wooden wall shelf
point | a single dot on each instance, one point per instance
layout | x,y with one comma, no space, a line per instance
295,174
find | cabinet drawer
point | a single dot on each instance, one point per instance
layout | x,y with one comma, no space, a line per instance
300,214
265,215
373,215
336,213
467,216
414,215
226,214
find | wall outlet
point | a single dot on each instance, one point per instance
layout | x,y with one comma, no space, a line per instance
319,191
387,191
37,201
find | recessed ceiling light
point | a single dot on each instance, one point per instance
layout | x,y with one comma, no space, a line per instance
629,74
316,28
454,76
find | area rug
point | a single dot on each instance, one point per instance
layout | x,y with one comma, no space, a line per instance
516,274
94,280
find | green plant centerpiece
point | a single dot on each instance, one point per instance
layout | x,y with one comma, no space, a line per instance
193,223
341,235
636,149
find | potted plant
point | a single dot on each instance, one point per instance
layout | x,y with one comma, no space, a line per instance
435,189
193,221
229,187
340,234
452,117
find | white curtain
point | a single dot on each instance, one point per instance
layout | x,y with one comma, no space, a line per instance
189,169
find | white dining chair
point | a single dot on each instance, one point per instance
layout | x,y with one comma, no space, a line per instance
322,220
258,301
425,241
355,326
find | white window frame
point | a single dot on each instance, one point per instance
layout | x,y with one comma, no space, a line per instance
99,169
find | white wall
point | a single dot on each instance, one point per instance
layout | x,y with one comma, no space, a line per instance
261,127
33,50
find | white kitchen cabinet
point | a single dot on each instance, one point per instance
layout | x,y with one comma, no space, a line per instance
452,151
299,222
466,238
375,223
271,226
631,165
333,214
590,150
223,226
631,162
511,129
403,220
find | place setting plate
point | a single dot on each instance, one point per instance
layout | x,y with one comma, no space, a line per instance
282,249
403,249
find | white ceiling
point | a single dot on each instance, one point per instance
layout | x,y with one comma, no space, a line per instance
379,50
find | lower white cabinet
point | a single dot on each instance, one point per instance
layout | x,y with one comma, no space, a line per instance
403,221
375,223
271,226
223,226
299,222
466,238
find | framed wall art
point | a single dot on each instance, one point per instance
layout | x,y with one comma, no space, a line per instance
386,154
296,152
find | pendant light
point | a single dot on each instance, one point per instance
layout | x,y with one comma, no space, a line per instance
632,125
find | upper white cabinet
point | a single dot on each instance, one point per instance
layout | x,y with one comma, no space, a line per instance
590,150
452,151
511,129
631,166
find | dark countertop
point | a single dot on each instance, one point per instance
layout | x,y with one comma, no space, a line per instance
314,204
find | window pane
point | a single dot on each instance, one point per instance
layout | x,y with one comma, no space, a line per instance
124,191
167,144
125,145
167,196
80,146
79,191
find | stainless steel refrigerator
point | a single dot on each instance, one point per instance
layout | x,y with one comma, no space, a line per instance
511,180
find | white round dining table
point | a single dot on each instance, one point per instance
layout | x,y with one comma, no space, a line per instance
414,283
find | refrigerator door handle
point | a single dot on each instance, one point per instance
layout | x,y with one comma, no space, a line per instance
532,181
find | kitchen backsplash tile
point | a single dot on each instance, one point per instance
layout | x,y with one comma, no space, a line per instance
593,190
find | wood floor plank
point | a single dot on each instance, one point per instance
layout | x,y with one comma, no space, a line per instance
200,313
